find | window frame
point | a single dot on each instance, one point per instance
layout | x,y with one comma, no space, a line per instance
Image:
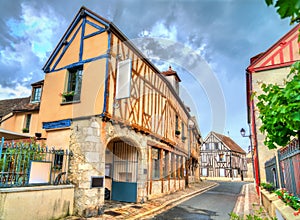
27,122
36,94
155,164
73,84
58,159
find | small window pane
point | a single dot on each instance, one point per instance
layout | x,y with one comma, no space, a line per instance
36,96
155,163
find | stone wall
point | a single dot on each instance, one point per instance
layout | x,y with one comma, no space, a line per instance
89,140
88,160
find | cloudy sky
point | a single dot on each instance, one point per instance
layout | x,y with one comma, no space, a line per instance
208,42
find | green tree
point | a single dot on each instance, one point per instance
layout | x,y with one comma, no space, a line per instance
279,106
287,9
280,110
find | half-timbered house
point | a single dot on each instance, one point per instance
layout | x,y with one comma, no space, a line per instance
222,157
122,118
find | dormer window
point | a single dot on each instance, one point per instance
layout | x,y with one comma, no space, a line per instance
36,94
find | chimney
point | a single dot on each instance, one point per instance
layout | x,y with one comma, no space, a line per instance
173,78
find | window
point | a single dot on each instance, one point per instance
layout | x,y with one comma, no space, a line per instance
176,122
58,159
155,163
73,88
177,131
222,172
179,167
173,165
27,123
204,158
165,164
182,132
221,157
217,146
36,94
204,171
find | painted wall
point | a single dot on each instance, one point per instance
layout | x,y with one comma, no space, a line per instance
39,203
17,122
93,79
269,76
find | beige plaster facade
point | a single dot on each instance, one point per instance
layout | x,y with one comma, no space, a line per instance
275,76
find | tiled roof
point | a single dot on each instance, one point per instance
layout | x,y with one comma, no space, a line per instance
41,82
229,143
18,104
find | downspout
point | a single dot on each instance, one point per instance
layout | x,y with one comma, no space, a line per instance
106,92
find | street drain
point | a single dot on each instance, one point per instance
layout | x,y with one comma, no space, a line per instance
136,207
112,213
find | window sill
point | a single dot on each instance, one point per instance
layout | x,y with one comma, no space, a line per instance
35,101
70,102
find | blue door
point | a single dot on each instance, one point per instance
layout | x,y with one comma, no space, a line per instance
124,191
125,168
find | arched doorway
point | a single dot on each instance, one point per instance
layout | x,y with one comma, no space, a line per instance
121,167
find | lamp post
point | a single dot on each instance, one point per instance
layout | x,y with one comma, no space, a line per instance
243,133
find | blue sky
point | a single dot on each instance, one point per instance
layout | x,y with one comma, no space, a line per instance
208,42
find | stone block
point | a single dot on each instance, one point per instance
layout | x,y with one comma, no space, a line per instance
92,157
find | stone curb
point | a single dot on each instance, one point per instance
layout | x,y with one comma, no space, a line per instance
172,200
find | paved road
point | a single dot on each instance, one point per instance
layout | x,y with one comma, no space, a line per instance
215,204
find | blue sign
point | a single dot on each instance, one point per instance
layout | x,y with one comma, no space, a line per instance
57,124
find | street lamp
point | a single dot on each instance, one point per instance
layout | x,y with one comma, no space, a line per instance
243,133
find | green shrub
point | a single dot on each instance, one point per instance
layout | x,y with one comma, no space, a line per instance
268,186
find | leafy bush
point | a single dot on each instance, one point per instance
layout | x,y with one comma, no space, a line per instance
17,158
289,199
268,186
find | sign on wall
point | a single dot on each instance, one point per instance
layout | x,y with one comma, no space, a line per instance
57,124
39,172
123,79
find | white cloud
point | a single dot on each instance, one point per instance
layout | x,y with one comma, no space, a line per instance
19,91
37,27
30,37
160,30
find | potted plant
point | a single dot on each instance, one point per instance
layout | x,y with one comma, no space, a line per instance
25,130
177,132
68,96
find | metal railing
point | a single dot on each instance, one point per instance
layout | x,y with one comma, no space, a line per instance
272,172
289,168
25,164
289,159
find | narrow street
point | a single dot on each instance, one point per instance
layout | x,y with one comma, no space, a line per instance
216,203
